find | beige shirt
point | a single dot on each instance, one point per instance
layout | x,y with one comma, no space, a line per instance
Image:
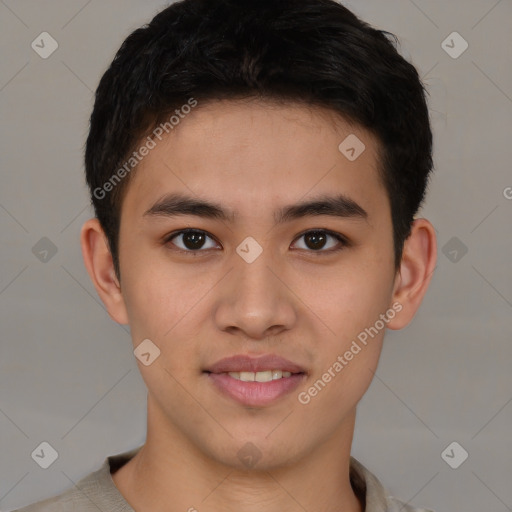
97,492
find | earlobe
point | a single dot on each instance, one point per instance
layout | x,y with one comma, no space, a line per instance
99,264
417,266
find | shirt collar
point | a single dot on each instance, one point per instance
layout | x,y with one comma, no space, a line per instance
366,486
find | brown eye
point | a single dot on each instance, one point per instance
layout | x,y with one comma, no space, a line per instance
191,240
322,241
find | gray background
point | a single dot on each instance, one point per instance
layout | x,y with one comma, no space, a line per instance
67,372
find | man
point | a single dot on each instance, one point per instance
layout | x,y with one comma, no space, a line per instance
255,169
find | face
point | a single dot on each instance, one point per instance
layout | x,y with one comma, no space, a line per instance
253,274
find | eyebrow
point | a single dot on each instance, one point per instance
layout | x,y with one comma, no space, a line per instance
173,205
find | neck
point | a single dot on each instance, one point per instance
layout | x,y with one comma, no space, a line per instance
171,474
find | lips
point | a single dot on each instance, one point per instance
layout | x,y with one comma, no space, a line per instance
244,363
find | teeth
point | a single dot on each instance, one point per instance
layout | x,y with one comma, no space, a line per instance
276,374
265,376
247,376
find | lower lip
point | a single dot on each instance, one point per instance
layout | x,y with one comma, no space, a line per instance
255,393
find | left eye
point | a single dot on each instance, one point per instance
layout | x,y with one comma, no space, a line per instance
316,240
193,240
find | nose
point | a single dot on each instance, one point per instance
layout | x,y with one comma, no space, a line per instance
255,300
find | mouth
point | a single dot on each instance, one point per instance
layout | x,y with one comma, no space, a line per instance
255,382
244,364
263,376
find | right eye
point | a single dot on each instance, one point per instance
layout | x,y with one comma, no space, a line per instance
190,240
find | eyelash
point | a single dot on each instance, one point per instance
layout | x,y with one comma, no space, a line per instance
340,238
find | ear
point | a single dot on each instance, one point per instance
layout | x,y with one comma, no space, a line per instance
100,266
416,268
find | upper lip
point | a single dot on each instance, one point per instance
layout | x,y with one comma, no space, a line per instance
245,363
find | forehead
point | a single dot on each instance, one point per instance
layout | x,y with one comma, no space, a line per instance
250,154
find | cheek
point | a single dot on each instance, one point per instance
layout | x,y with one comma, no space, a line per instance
349,301
342,376
156,297
163,307
351,304
150,306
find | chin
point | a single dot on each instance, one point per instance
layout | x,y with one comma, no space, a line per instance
256,453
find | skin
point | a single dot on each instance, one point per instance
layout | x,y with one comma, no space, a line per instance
254,157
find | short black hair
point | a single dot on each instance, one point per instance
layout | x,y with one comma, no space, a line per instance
313,52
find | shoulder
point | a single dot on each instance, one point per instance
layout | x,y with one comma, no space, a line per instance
93,492
370,491
84,496
61,503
